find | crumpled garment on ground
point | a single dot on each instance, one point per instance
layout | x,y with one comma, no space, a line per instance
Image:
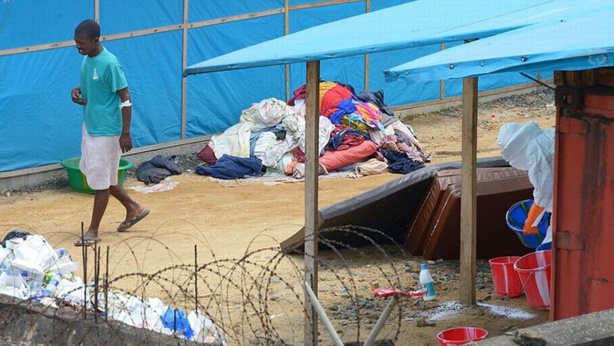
232,167
371,167
158,168
399,162
377,98
165,185
268,112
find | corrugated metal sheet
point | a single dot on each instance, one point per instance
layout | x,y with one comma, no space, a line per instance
583,221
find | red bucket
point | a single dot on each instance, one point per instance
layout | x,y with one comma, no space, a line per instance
534,271
461,336
505,278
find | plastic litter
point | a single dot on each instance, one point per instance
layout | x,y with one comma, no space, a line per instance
31,269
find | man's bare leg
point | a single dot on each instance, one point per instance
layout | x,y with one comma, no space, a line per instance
101,200
133,208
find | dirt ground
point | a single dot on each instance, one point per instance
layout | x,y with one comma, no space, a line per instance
245,284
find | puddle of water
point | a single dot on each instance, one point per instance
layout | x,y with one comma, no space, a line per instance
508,312
448,310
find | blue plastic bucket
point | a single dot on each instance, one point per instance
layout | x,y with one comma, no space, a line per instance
515,218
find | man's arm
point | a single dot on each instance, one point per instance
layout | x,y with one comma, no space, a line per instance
125,140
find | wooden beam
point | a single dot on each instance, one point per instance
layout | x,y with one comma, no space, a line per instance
286,32
367,58
184,64
468,233
312,218
97,11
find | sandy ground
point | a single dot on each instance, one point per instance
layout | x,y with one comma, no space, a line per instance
245,284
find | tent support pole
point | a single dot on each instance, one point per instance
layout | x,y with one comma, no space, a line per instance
468,235
184,64
312,219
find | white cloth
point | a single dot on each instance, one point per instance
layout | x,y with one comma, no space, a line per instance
268,112
234,141
99,160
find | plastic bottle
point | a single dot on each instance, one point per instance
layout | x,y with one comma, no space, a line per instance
426,280
49,289
53,284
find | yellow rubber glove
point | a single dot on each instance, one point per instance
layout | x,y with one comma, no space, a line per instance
534,212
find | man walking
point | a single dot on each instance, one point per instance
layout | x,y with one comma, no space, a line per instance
107,113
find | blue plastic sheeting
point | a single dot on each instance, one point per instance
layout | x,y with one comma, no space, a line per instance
215,101
211,9
30,22
418,23
38,121
139,15
579,43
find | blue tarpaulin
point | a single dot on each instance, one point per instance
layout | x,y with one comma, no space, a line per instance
413,24
580,43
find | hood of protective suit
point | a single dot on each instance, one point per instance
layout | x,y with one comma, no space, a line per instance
514,138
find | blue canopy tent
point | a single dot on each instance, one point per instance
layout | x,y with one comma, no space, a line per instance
583,43
413,24
586,44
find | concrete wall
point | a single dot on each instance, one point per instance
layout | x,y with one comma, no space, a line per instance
55,175
594,329
25,323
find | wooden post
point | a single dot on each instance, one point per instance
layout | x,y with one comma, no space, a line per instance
184,64
468,229
312,219
286,32
97,11
366,56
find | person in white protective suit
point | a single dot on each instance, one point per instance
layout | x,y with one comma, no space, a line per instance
531,148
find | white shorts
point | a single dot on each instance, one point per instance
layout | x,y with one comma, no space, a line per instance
99,160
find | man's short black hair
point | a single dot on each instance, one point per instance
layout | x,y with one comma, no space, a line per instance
89,28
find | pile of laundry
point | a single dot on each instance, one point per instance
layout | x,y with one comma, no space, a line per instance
356,132
30,269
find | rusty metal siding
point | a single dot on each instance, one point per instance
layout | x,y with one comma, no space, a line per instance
583,263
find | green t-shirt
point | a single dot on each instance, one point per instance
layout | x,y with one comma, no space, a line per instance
101,77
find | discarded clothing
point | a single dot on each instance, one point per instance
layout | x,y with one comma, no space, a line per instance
158,168
344,137
232,167
399,162
377,98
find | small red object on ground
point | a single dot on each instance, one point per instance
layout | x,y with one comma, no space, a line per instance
387,292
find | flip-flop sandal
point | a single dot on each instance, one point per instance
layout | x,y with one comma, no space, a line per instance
127,224
87,242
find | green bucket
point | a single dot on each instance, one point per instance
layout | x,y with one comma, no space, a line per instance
77,180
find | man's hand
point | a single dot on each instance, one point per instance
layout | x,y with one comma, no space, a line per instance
125,142
533,214
76,97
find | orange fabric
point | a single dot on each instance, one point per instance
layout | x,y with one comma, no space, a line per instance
335,159
534,212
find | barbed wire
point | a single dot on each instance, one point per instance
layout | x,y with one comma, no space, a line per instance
256,299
